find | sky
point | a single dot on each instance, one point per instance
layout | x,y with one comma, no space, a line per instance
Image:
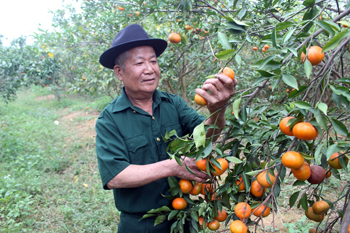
23,17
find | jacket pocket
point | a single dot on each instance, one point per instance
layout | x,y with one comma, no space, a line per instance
138,149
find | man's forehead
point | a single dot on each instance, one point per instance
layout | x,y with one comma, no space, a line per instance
142,52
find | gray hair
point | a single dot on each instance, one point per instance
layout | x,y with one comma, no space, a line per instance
121,59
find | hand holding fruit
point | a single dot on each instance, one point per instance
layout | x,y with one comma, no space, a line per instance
221,89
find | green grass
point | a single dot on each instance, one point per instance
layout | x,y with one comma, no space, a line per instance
49,180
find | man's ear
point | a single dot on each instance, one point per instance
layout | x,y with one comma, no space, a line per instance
118,71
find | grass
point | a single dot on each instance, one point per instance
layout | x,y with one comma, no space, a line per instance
48,174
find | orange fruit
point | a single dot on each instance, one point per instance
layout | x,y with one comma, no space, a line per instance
270,87
263,49
207,187
222,216
255,48
243,210
334,162
261,178
304,131
310,214
214,225
121,8
200,221
349,228
292,159
293,89
317,175
238,226
302,173
287,90
174,38
200,100
328,173
320,207
261,211
202,164
188,27
137,13
345,26
313,230
256,189
224,165
186,186
266,46
284,128
240,184
196,189
179,203
314,55
229,73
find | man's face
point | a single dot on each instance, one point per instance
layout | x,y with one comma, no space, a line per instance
141,72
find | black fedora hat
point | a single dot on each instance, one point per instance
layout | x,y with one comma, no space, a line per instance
130,37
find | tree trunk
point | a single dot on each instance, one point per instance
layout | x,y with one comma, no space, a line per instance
346,220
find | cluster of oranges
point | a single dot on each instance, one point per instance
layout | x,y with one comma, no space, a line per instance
226,71
264,49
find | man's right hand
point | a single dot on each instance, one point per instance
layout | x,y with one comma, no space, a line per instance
182,172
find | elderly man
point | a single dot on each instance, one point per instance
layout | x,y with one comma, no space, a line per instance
131,154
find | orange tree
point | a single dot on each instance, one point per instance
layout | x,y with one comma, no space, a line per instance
270,46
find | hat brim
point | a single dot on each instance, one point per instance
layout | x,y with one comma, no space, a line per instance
108,57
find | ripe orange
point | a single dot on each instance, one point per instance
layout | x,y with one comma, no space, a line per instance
229,72
304,131
174,38
224,165
222,216
200,221
328,173
240,184
284,128
292,159
207,187
197,188
257,190
188,27
238,226
303,173
243,210
261,178
186,186
266,46
179,203
260,210
320,207
310,214
214,225
313,230
121,8
264,50
314,55
345,26
255,48
334,162
349,228
287,90
200,100
202,164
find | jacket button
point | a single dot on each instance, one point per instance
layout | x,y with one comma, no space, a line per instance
158,139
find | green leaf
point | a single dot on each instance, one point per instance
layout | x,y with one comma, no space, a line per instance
234,159
302,105
265,61
224,41
321,120
274,38
249,39
307,68
326,27
265,73
159,219
333,43
253,173
288,35
299,183
339,126
172,214
290,81
344,23
303,202
308,2
323,107
331,149
224,55
199,135
148,216
235,107
184,38
293,198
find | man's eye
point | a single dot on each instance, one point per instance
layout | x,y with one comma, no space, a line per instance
139,63
153,62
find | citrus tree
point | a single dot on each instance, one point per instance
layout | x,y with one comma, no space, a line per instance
289,115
